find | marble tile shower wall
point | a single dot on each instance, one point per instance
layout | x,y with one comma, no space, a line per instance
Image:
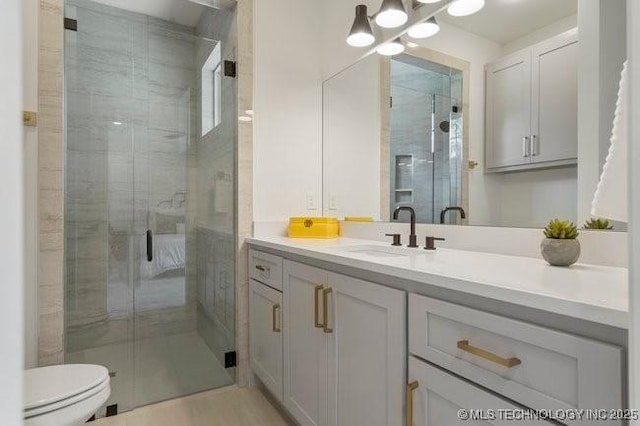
50,183
419,178
131,99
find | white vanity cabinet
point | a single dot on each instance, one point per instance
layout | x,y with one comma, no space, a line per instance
265,320
344,349
531,106
265,307
333,350
534,366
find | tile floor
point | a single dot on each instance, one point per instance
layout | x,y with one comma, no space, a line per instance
229,406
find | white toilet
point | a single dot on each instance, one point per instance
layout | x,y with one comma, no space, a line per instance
64,395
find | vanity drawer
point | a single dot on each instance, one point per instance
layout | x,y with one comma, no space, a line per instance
437,398
535,366
266,268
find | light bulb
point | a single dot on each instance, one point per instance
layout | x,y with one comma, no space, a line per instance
465,7
392,14
391,48
360,39
424,29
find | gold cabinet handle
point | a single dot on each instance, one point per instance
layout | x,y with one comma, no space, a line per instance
410,388
505,362
325,309
317,291
274,318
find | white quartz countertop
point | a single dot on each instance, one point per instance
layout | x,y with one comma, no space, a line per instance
588,292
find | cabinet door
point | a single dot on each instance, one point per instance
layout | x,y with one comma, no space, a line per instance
554,115
508,111
366,341
439,398
305,349
265,325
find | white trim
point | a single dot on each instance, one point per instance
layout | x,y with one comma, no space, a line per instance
11,214
633,48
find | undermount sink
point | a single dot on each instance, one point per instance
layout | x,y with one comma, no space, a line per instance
379,251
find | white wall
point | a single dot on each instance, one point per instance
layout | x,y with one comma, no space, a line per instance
633,40
30,99
548,31
11,214
288,108
351,121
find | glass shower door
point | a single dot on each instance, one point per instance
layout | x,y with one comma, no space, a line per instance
103,116
149,202
179,328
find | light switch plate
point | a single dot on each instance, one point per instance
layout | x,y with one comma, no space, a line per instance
333,202
311,201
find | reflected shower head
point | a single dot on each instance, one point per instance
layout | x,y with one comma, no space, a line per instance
444,126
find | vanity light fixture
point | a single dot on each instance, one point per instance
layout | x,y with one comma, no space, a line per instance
465,7
428,1
392,14
391,48
361,34
424,29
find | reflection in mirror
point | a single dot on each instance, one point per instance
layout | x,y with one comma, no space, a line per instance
506,125
426,138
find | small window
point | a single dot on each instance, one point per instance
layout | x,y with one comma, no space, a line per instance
212,90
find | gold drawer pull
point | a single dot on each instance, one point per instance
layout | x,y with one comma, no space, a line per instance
317,291
274,315
325,309
410,388
505,362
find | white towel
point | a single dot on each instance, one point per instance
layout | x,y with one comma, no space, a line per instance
610,199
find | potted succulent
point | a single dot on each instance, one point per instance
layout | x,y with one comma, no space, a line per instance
598,224
560,247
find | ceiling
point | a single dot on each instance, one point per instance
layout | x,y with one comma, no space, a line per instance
182,12
503,21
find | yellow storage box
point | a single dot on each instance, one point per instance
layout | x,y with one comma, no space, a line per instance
314,227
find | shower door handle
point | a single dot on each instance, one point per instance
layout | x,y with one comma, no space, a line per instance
149,245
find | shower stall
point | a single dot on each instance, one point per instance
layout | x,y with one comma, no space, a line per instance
150,134
426,137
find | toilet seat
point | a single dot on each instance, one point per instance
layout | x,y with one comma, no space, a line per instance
52,388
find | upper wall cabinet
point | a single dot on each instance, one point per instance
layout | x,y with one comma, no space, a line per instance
531,106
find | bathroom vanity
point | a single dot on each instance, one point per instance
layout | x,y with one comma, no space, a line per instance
355,332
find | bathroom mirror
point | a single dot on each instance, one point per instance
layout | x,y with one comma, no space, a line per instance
480,124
